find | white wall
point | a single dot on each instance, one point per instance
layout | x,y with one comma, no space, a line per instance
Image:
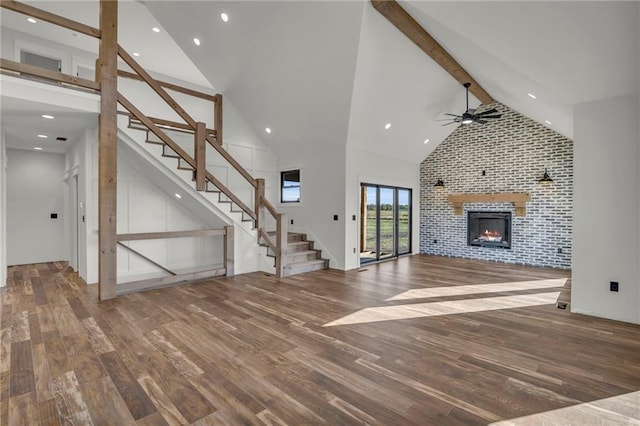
35,190
607,208
3,210
322,174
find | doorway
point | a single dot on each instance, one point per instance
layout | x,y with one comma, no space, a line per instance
385,222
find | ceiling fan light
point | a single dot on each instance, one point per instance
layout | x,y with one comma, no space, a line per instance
467,120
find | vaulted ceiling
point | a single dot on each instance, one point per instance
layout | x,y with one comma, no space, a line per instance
335,72
309,70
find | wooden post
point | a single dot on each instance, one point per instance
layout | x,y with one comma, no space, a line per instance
228,250
217,124
200,150
108,151
258,201
281,243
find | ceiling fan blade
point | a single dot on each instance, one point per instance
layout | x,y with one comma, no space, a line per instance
481,121
453,115
445,119
483,113
491,116
446,124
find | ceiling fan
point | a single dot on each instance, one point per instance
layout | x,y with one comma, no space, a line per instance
470,116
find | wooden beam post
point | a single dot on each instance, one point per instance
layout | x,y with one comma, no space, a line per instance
108,151
399,17
228,250
258,201
217,120
281,243
200,150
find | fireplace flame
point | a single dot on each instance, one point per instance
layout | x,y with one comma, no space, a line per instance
490,236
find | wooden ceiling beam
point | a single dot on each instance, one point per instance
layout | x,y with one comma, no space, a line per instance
399,17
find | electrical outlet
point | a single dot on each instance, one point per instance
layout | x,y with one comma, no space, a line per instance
335,217
613,285
292,221
435,241
354,249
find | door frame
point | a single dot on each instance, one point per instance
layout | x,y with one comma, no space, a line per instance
362,227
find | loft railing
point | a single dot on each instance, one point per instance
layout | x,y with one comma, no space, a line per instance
202,135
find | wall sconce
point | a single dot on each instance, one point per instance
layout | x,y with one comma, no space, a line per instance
439,184
545,178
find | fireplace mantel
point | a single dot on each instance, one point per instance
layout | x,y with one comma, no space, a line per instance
519,200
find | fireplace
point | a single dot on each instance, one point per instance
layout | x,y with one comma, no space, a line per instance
489,229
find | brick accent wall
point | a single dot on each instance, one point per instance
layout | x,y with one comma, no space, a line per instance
513,152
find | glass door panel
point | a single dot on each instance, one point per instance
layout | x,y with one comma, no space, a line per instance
387,220
404,221
368,224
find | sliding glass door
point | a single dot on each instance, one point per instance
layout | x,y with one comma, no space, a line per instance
385,222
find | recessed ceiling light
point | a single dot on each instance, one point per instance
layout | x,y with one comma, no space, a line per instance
196,41
547,121
48,117
43,136
224,17
136,54
33,21
178,195
387,126
531,95
267,129
37,148
426,141
155,29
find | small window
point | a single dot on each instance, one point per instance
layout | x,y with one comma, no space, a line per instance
290,186
41,61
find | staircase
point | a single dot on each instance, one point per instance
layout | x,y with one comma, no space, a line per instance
300,256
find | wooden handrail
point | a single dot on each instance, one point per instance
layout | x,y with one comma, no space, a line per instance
170,234
269,207
51,18
267,239
170,125
35,71
223,152
171,86
230,195
156,87
156,131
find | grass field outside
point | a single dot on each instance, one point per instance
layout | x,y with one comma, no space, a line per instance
387,229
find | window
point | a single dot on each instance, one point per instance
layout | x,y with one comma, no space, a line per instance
290,186
41,61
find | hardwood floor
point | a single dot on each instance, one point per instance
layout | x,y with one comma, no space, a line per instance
422,340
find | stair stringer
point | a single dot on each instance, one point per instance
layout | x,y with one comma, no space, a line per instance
249,256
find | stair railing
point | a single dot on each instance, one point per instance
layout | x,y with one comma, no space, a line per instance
198,162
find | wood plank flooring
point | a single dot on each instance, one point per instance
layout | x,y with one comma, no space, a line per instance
417,341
